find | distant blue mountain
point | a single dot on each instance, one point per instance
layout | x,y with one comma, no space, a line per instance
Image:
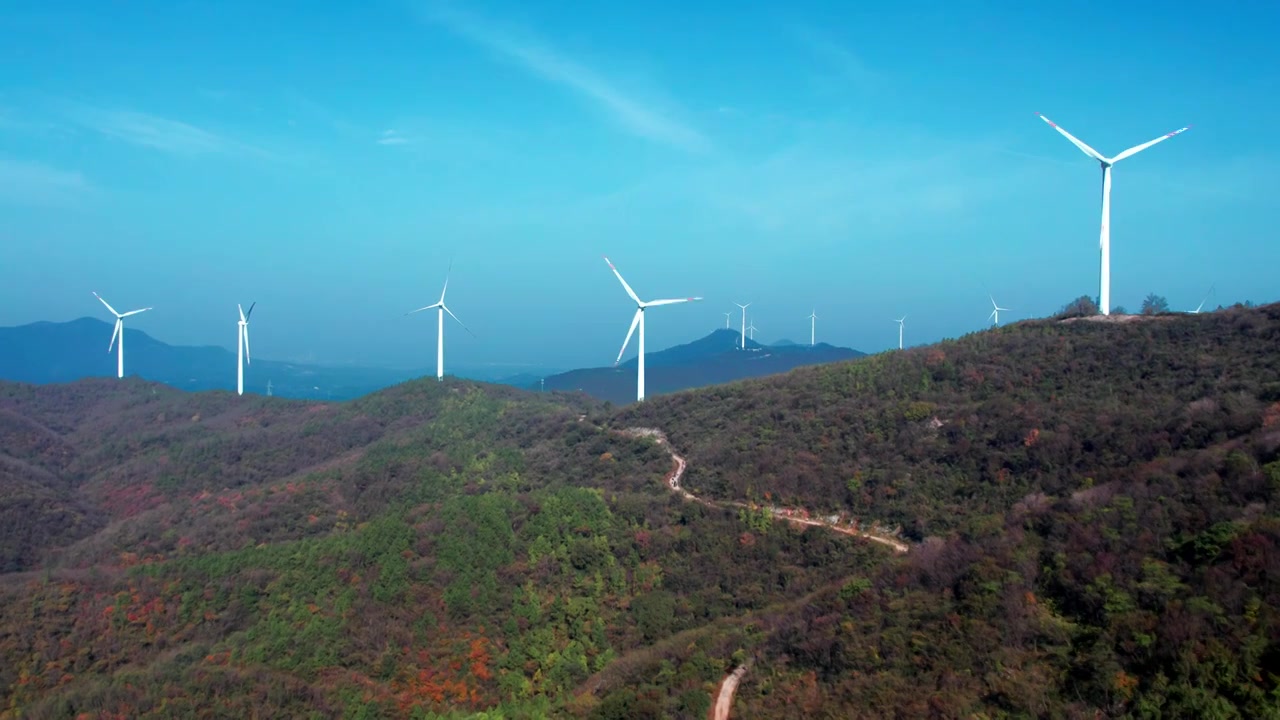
710,360
49,352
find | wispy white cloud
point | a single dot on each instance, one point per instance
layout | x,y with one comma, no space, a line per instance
538,58
843,60
33,183
160,133
391,137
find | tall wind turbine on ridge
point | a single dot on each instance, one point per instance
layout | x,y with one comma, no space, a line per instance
744,324
638,319
1104,241
242,345
995,311
726,320
900,322
118,333
813,320
1202,302
751,328
441,309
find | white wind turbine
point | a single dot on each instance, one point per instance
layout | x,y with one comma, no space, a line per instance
441,309
242,345
900,322
726,320
751,328
813,320
1202,302
744,324
1104,242
995,311
118,333
638,319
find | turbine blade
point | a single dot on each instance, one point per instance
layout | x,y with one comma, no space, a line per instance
432,306
104,302
250,313
651,303
242,319
635,320
993,314
245,329
455,317
1139,148
625,286
133,312
1083,148
993,301
744,307
115,333
446,282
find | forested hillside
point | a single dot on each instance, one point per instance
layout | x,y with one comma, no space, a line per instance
1091,508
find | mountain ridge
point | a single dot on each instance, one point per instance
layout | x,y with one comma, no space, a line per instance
1092,510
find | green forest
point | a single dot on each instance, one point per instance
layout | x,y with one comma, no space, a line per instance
1090,509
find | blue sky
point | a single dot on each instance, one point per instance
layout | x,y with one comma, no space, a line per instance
327,160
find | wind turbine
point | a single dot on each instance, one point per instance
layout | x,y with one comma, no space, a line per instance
813,320
1104,242
268,388
744,324
1202,302
995,311
638,319
726,320
441,309
242,353
900,322
751,328
119,333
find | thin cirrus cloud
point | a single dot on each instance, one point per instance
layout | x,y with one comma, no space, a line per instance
392,137
539,59
841,59
159,133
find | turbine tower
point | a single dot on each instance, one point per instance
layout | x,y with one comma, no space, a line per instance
995,311
900,322
242,345
744,324
638,319
813,320
441,309
1104,241
726,320
118,333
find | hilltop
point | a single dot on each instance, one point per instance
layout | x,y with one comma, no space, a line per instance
1090,511
710,360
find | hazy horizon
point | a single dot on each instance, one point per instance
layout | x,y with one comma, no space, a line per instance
863,163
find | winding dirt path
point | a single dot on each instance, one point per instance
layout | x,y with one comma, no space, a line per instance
724,700
680,465
729,686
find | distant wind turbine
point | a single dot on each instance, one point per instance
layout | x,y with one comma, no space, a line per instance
995,311
118,333
268,388
1104,242
242,345
751,328
813,320
900,322
744,324
441,309
638,319
1202,302
726,320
